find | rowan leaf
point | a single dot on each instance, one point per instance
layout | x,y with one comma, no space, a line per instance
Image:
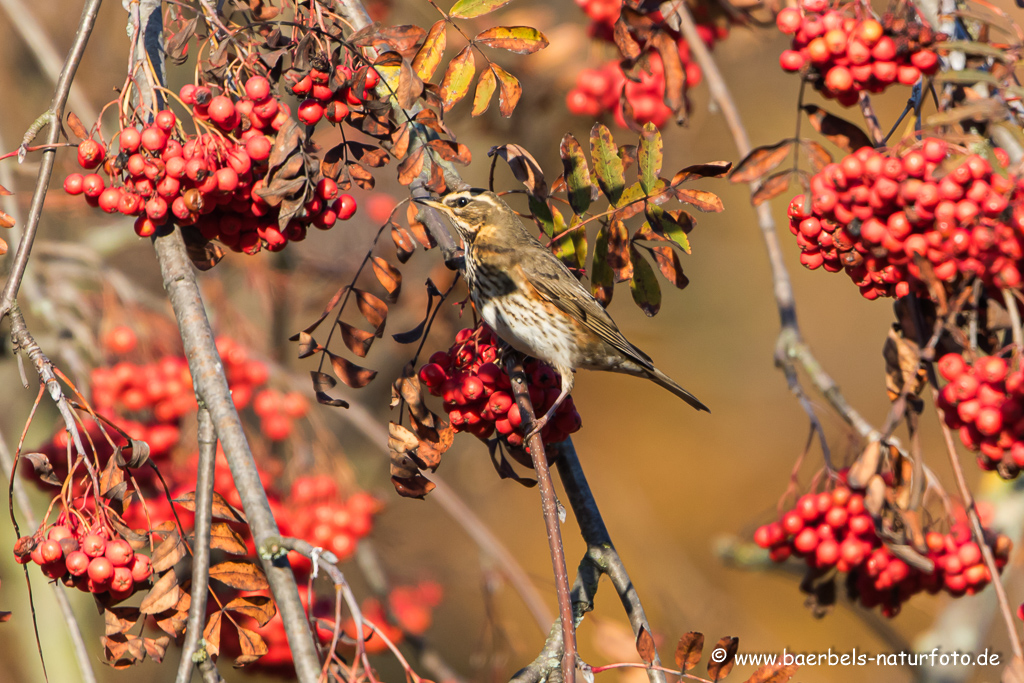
168,553
509,91
261,608
688,650
577,174
373,309
351,374
211,633
673,225
321,382
611,176
484,92
602,279
523,40
761,161
162,596
244,576
223,537
389,277
428,57
839,131
467,9
42,468
773,673
645,646
772,187
524,167
649,157
816,154
76,126
618,251
719,666
702,199
644,286
358,341
411,167
457,78
252,644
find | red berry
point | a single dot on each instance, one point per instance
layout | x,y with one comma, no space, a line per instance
129,140
346,207
77,563
257,88
90,154
100,570
93,545
165,120
310,112
119,553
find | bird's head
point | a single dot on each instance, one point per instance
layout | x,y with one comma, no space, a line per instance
472,211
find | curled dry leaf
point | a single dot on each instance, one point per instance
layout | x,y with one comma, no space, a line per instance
761,161
702,199
839,131
75,124
524,167
42,468
223,537
168,553
373,309
321,382
411,166
221,508
261,608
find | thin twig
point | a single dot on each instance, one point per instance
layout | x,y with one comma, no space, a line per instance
56,113
200,546
549,505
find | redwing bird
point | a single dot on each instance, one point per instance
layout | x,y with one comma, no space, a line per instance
534,303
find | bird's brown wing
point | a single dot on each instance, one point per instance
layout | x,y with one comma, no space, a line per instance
556,284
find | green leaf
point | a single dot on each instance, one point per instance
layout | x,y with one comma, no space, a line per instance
428,58
484,92
579,240
644,286
649,157
602,280
607,163
467,9
665,223
577,174
457,78
542,214
523,40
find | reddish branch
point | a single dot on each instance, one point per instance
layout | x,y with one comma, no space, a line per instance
55,114
549,504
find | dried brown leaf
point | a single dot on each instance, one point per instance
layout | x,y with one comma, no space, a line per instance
645,646
509,90
720,666
689,650
244,576
351,374
761,161
389,277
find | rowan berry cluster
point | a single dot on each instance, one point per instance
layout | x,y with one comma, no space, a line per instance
477,392
332,103
850,54
212,180
832,529
985,402
90,558
320,516
872,214
604,89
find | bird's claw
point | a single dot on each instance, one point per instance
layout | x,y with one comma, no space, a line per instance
538,424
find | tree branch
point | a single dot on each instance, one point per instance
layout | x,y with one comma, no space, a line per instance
212,390
200,545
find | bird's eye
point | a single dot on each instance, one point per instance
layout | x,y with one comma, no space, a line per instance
461,202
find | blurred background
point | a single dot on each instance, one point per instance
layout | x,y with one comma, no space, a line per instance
671,483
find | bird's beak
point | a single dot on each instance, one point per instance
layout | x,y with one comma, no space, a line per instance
426,201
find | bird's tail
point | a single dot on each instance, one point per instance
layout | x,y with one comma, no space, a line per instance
664,380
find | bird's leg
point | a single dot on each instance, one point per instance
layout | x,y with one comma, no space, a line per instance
568,379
